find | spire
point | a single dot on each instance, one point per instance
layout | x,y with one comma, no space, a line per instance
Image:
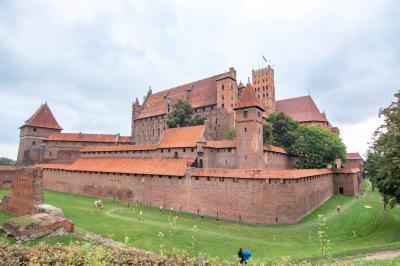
241,85
249,99
43,117
137,101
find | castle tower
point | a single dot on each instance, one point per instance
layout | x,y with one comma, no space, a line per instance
227,97
33,133
249,130
136,109
264,87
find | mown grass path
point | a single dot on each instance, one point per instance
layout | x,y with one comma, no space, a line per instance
355,229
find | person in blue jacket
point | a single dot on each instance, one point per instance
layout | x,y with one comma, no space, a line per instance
246,254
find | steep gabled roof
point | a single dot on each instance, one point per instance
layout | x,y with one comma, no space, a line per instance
43,117
198,93
183,137
301,109
354,156
249,99
83,137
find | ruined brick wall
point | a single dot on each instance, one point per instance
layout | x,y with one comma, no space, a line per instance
44,228
347,184
7,177
255,201
26,192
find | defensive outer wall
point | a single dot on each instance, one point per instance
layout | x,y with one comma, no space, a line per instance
244,195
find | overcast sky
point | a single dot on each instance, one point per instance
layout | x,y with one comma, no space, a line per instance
90,59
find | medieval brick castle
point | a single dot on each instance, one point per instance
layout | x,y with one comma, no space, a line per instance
192,168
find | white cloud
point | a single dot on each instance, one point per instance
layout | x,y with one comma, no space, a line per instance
8,150
357,136
91,59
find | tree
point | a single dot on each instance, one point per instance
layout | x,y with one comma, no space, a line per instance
230,134
6,161
371,166
317,147
198,120
267,134
385,151
284,131
181,116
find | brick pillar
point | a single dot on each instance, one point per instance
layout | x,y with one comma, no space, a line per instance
37,186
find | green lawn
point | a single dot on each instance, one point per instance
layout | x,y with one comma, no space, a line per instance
355,229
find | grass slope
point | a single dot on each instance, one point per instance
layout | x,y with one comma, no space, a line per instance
355,229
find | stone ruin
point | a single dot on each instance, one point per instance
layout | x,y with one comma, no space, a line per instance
34,218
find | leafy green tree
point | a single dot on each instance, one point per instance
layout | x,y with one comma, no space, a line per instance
284,131
230,134
386,154
267,133
181,116
317,147
198,120
371,166
6,161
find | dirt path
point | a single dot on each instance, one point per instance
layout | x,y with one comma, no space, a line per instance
382,255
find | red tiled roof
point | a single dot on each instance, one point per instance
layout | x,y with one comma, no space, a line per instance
202,93
301,109
249,99
147,166
274,149
43,117
346,170
220,144
354,156
108,148
7,168
181,137
259,174
83,137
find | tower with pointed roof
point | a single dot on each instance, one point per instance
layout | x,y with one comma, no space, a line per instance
249,130
136,109
33,134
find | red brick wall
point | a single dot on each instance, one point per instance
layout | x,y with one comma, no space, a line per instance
354,164
255,201
249,139
275,160
349,182
26,192
6,178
